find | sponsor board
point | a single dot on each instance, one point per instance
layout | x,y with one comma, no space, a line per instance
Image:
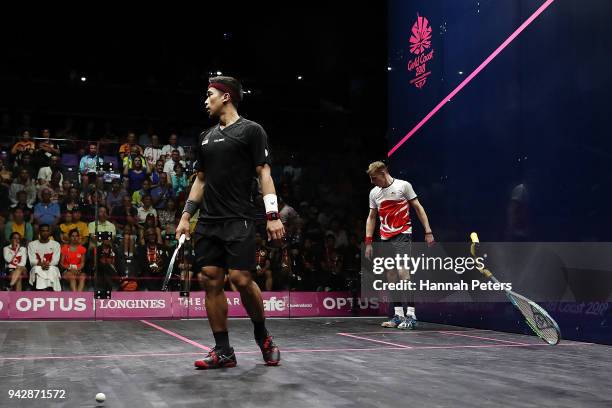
4,305
50,305
135,305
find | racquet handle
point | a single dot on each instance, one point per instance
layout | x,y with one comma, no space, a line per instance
474,238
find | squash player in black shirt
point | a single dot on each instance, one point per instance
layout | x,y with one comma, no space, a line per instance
229,157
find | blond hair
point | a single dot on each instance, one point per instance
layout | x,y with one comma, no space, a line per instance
376,167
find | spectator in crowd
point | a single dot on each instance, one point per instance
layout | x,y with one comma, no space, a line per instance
114,197
120,214
15,257
25,183
54,187
66,226
110,262
151,223
167,215
24,144
81,226
351,259
153,152
72,262
19,225
72,200
139,194
180,182
130,241
104,225
46,212
44,255
331,266
6,175
45,173
146,209
25,163
310,259
135,175
162,193
126,148
22,202
263,269
89,163
171,146
46,148
170,165
153,260
128,160
338,233
157,172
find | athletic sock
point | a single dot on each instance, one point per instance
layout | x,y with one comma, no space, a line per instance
259,331
399,310
222,340
410,311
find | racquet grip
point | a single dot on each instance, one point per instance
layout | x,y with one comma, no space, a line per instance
474,238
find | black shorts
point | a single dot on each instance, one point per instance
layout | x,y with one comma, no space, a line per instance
401,243
227,244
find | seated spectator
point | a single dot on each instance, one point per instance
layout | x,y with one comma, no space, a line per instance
89,163
169,236
171,146
22,202
23,183
338,233
135,175
146,209
110,263
72,200
167,216
54,187
139,194
151,223
162,193
46,212
45,173
81,226
130,240
157,172
115,197
66,226
72,262
135,153
331,267
19,225
153,152
45,149
153,261
120,214
104,225
263,270
6,175
170,164
24,144
309,262
15,257
44,255
180,182
25,163
126,148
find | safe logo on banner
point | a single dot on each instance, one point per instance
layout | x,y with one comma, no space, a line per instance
420,44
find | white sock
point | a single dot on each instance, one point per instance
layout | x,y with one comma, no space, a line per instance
399,310
410,311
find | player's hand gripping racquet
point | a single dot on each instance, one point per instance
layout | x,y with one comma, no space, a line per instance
535,316
181,241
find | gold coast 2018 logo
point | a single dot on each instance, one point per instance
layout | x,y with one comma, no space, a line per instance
420,47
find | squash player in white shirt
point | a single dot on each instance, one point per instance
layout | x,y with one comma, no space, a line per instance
391,200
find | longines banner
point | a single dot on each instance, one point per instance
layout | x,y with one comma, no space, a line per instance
165,305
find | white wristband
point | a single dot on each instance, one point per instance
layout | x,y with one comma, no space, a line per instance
271,203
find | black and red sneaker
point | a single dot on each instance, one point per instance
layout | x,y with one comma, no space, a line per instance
270,351
217,358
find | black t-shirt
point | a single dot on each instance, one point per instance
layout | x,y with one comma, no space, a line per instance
228,159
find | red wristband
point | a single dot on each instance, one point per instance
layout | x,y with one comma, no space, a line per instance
368,240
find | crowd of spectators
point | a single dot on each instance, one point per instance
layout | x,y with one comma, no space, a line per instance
53,240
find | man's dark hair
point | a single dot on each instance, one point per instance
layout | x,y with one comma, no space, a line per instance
231,83
72,231
41,226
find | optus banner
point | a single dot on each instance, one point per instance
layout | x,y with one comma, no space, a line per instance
167,305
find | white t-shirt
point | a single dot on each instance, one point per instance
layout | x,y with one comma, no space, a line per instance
152,154
15,258
49,251
392,204
167,151
142,214
169,167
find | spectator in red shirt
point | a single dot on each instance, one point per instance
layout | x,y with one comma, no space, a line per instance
72,262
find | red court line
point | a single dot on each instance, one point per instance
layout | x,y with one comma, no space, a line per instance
289,351
453,333
472,75
373,340
178,336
